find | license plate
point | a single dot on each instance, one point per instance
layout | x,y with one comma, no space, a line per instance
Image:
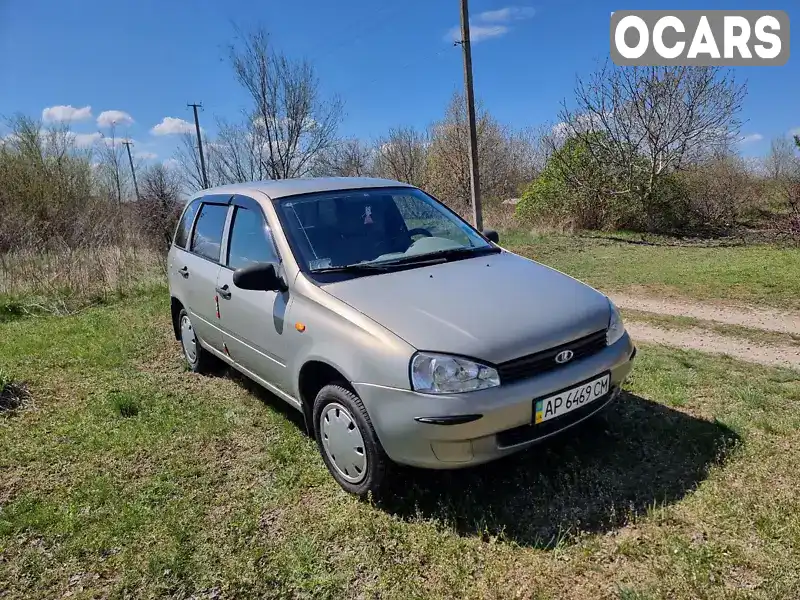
568,400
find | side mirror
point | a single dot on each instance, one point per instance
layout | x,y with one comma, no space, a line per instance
491,235
259,277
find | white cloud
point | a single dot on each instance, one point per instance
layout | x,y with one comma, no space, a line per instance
172,126
107,118
146,155
504,15
171,163
477,33
86,140
61,113
749,139
9,138
491,23
582,123
116,141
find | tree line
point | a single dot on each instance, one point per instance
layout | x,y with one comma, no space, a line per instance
656,149
648,149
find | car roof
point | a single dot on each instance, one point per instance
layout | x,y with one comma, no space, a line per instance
280,188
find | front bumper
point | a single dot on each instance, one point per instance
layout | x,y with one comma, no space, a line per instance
477,427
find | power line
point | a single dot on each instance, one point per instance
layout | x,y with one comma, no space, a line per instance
200,143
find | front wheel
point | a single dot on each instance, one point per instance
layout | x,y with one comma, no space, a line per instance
347,441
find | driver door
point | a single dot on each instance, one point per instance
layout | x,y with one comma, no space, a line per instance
252,321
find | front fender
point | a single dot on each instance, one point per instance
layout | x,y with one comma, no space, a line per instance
340,336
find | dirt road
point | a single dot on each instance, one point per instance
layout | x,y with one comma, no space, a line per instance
739,345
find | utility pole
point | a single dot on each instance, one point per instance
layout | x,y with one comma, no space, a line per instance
128,144
200,144
477,213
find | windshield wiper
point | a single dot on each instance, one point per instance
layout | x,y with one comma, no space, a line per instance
441,255
355,268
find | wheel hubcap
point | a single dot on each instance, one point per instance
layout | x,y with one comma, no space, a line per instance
343,442
188,339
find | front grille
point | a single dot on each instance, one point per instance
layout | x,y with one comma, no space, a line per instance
541,362
529,433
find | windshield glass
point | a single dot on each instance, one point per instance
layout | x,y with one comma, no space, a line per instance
372,227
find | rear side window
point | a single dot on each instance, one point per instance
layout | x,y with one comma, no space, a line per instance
207,238
182,233
250,241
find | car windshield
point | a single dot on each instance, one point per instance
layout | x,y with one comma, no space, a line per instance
373,227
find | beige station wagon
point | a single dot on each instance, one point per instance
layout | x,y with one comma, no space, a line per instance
401,333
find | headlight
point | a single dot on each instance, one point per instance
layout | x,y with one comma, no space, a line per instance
616,329
443,374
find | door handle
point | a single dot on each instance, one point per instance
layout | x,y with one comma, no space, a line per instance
184,272
223,292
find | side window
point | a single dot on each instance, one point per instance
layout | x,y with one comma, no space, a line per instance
250,241
207,238
182,233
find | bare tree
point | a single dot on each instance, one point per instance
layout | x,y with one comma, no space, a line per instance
239,153
644,122
160,204
347,158
506,158
189,166
782,162
402,155
291,124
111,164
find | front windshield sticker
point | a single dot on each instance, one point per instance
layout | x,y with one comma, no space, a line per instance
320,263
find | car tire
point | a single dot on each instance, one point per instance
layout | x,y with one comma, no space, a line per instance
341,423
197,357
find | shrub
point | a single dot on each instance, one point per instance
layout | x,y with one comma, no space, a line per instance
577,190
582,190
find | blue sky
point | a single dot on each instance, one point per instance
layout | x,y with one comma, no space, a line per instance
391,62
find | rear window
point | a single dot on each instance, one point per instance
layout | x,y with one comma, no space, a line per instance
207,238
182,233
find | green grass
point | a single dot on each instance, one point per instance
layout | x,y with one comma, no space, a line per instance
128,476
760,274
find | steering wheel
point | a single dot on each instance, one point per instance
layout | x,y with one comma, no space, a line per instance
419,231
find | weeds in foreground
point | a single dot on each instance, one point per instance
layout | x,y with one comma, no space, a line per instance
125,404
61,282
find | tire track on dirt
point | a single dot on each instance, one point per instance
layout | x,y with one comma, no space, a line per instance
696,338
767,319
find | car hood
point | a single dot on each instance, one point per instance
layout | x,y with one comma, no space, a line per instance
495,307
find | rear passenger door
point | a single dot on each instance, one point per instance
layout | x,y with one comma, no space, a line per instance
252,321
178,284
199,267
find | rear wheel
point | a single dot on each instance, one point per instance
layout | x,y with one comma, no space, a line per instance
347,441
197,357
